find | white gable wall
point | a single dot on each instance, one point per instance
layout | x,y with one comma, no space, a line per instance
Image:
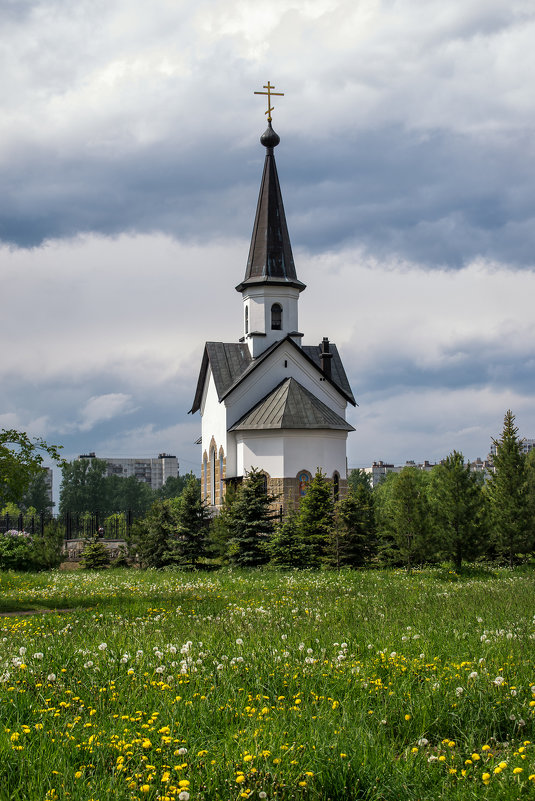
214,416
286,362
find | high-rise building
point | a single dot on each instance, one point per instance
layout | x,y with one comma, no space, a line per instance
153,472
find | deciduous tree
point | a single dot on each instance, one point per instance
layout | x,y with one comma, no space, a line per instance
21,459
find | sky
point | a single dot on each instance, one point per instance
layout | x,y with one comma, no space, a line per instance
130,166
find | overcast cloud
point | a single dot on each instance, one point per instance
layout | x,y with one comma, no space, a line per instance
130,166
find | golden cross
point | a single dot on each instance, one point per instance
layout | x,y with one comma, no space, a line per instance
269,94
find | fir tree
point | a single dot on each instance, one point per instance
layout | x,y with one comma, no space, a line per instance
403,518
353,541
316,518
457,504
152,534
507,492
95,555
220,532
188,545
250,522
286,548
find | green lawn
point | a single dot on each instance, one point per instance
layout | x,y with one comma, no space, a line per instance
365,685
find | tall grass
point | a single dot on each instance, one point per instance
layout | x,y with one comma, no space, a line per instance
369,685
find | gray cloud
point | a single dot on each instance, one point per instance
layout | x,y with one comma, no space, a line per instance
130,165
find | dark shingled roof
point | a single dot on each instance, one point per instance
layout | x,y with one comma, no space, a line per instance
338,374
231,363
270,255
228,360
290,405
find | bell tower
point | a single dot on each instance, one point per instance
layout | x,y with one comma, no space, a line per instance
270,288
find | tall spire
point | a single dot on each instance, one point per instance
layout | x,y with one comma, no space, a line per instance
270,255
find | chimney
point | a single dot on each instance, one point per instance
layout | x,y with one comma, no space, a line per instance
325,358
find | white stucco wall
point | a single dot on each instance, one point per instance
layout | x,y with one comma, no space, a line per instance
214,417
284,454
259,301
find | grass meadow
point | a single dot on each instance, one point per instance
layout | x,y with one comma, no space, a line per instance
313,685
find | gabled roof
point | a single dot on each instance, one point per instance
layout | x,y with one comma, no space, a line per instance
231,363
270,255
290,405
228,361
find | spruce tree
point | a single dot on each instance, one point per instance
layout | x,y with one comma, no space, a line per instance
250,522
286,548
457,503
507,491
95,555
188,544
353,541
316,519
410,518
152,534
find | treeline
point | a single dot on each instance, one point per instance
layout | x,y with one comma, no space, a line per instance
86,488
412,517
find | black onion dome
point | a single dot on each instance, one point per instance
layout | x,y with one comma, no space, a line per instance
269,138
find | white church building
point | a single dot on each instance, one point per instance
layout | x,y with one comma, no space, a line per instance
268,401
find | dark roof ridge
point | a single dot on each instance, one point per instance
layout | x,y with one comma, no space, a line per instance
259,359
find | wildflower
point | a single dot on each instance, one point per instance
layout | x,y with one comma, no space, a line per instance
498,681
486,777
407,717
183,796
102,647
239,641
51,677
423,741
459,691
262,794
38,655
517,770
240,778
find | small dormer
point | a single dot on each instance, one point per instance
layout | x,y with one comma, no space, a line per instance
270,288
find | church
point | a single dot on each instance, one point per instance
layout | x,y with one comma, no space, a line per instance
268,401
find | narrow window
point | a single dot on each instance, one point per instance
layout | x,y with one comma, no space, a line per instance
212,482
336,486
220,478
205,472
276,317
247,319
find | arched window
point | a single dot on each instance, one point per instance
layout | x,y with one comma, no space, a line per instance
221,477
336,486
212,482
276,317
205,475
247,319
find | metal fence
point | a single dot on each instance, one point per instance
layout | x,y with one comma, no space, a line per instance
75,525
